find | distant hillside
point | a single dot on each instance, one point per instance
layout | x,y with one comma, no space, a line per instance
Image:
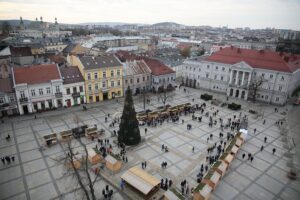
167,24
16,22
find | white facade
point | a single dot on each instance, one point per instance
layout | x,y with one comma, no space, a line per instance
32,98
234,80
73,94
163,80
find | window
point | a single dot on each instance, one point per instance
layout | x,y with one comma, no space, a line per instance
217,67
112,84
111,73
126,81
11,99
74,89
277,99
33,93
207,75
280,88
89,76
68,91
22,94
199,70
147,78
143,78
57,89
282,78
216,77
118,72
80,88
48,90
41,91
223,68
1,100
96,75
131,81
104,74
137,80
221,78
194,69
186,67
119,82
103,84
90,88
96,86
266,97
271,76
207,66
263,75
190,68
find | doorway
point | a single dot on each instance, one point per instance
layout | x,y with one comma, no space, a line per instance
25,109
105,96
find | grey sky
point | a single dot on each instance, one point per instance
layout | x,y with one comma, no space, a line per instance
234,13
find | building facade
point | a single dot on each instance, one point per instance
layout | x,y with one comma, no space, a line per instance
73,86
102,75
38,88
235,71
137,75
8,104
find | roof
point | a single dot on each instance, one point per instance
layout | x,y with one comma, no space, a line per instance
136,67
111,159
36,74
264,59
157,67
75,48
20,51
6,85
140,180
70,74
59,59
90,62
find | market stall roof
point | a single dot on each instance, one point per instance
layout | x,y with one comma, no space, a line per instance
111,159
215,177
170,195
234,149
140,180
206,191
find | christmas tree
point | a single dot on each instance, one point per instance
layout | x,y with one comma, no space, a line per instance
129,132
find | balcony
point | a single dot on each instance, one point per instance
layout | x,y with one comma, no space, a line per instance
58,95
23,100
76,94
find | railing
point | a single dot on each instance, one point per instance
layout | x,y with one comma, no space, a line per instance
75,94
23,100
58,94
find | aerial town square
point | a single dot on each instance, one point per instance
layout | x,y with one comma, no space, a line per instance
156,100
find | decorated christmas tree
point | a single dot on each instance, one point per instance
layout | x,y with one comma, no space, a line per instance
129,132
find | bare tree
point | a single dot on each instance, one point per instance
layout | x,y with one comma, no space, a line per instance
70,160
165,93
254,86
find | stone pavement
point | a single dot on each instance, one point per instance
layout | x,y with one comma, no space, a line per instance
39,174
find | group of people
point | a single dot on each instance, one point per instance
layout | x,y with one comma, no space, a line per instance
7,159
165,184
164,148
107,193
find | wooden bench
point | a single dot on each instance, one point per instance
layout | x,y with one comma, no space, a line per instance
50,139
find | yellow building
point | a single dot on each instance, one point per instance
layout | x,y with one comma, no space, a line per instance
102,75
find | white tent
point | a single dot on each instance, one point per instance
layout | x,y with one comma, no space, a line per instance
244,134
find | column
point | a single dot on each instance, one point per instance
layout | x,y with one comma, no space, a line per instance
54,101
46,104
236,77
230,77
249,79
39,106
243,77
246,95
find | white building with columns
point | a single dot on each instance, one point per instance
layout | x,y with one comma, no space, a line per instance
73,86
232,70
38,88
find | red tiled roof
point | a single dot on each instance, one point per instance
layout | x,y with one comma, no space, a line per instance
264,59
157,67
36,74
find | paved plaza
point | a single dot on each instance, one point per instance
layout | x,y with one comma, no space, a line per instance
38,174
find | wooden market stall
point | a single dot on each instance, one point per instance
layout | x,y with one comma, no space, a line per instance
227,158
141,181
50,139
220,166
93,156
76,162
202,192
212,178
238,142
91,131
234,150
66,135
112,163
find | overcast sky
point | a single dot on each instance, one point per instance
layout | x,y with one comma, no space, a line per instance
234,13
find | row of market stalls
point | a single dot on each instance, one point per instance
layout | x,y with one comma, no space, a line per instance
212,178
66,135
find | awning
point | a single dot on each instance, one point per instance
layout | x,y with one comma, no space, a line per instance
140,180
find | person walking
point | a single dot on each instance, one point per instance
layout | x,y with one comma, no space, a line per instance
243,156
265,139
274,150
145,130
193,149
251,159
262,148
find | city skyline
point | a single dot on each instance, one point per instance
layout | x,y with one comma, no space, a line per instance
232,13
